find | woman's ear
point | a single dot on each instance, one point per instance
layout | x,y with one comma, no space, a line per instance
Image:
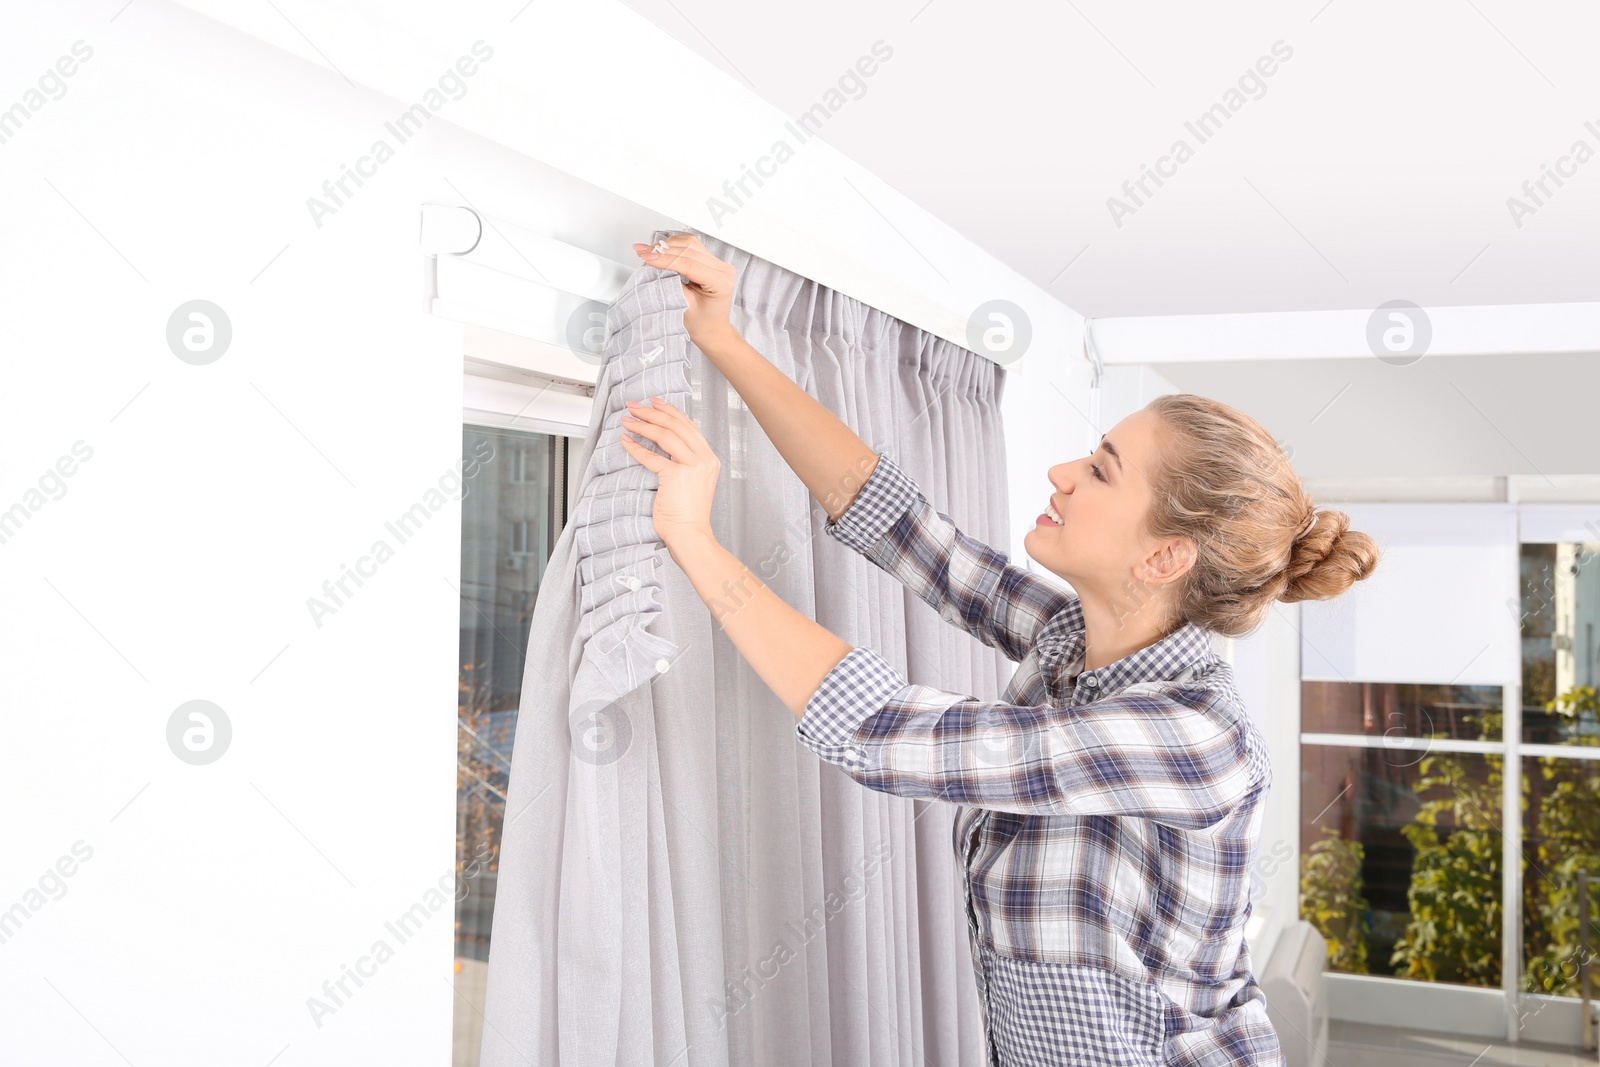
1170,561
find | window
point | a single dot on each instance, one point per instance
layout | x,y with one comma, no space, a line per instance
519,539
1403,812
514,509
1398,814
1560,606
521,471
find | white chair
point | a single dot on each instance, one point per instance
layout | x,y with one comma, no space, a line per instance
1296,1000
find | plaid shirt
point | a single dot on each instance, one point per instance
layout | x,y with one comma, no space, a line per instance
1108,818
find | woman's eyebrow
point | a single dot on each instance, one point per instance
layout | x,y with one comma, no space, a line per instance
1111,449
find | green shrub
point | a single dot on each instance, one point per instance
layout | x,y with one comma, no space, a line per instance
1569,831
1331,900
1454,931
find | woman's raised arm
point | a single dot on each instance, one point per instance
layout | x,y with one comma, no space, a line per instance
972,586
825,453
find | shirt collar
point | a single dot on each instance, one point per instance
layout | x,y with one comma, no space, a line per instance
1182,653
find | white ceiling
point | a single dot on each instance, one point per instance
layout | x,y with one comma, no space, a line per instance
1376,164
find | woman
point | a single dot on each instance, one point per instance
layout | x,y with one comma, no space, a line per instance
1111,804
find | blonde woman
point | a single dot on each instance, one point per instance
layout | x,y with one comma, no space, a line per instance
1110,805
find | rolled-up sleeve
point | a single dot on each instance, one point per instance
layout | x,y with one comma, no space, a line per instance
1144,755
883,500
858,686
970,584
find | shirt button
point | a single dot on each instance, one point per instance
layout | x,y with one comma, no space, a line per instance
1090,681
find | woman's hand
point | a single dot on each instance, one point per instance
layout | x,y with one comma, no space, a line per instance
707,283
688,473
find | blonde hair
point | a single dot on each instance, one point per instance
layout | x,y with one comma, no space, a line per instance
1224,482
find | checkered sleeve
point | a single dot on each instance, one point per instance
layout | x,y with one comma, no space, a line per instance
855,688
971,585
1145,755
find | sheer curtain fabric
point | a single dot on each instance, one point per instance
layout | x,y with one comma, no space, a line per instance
681,882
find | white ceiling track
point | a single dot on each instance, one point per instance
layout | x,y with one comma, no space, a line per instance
1398,333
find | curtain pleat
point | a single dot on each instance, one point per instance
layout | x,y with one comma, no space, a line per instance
690,892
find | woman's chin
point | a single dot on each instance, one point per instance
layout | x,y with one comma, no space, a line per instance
1047,565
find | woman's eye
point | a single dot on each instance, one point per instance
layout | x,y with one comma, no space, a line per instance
1097,473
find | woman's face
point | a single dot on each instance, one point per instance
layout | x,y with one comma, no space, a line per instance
1102,499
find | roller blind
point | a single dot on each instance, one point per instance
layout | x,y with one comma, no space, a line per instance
1442,608
1556,523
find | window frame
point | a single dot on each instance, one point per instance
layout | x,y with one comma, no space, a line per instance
1449,1008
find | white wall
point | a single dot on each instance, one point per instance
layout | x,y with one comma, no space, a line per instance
207,904
177,562
1266,668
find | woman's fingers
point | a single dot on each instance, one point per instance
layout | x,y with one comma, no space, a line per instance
665,436
687,255
672,253
694,267
708,284
670,250
666,415
679,246
653,462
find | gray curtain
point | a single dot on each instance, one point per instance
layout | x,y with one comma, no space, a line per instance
680,881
